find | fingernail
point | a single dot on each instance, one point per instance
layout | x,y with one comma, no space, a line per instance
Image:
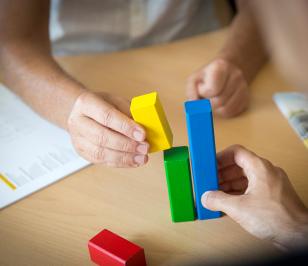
139,159
138,135
204,198
143,148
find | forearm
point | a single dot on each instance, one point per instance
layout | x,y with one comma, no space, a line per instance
31,73
244,46
26,64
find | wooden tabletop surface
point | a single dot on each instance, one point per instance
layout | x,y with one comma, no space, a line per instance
52,226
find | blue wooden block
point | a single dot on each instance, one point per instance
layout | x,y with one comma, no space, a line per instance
199,122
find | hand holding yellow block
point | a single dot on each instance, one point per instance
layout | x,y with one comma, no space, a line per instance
148,112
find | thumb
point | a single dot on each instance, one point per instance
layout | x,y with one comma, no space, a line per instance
220,201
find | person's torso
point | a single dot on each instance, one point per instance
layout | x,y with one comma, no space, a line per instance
83,26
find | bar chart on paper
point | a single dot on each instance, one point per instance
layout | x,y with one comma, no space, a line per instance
33,152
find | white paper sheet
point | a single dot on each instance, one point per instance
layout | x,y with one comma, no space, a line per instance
294,106
33,152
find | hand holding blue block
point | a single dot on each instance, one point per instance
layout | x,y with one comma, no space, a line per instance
202,152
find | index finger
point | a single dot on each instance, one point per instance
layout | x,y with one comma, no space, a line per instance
244,158
235,154
225,158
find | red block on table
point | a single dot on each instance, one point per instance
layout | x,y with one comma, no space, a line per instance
109,249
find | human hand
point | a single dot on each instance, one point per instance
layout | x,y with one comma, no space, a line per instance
103,132
224,84
258,196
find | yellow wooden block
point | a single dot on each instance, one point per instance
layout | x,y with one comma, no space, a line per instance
148,112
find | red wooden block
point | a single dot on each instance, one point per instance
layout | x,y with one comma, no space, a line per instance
109,249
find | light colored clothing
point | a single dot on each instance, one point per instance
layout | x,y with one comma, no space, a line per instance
87,26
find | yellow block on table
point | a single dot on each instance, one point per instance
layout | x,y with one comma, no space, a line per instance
148,112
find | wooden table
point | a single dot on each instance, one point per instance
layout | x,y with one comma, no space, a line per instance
52,227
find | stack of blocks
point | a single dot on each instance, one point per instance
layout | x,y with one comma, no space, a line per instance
148,112
107,248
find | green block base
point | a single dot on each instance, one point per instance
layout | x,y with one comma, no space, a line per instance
177,167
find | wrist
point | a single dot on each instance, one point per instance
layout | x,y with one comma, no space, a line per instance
295,234
248,65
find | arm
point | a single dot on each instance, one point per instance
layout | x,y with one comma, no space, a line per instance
225,80
26,63
244,46
99,124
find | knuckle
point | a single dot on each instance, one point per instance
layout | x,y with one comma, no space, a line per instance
102,139
125,127
221,64
98,155
264,165
237,74
126,159
108,116
281,173
81,100
126,146
239,78
238,147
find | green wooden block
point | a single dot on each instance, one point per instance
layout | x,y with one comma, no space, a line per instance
179,184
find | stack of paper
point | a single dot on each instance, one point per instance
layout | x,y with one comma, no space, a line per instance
294,106
33,152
